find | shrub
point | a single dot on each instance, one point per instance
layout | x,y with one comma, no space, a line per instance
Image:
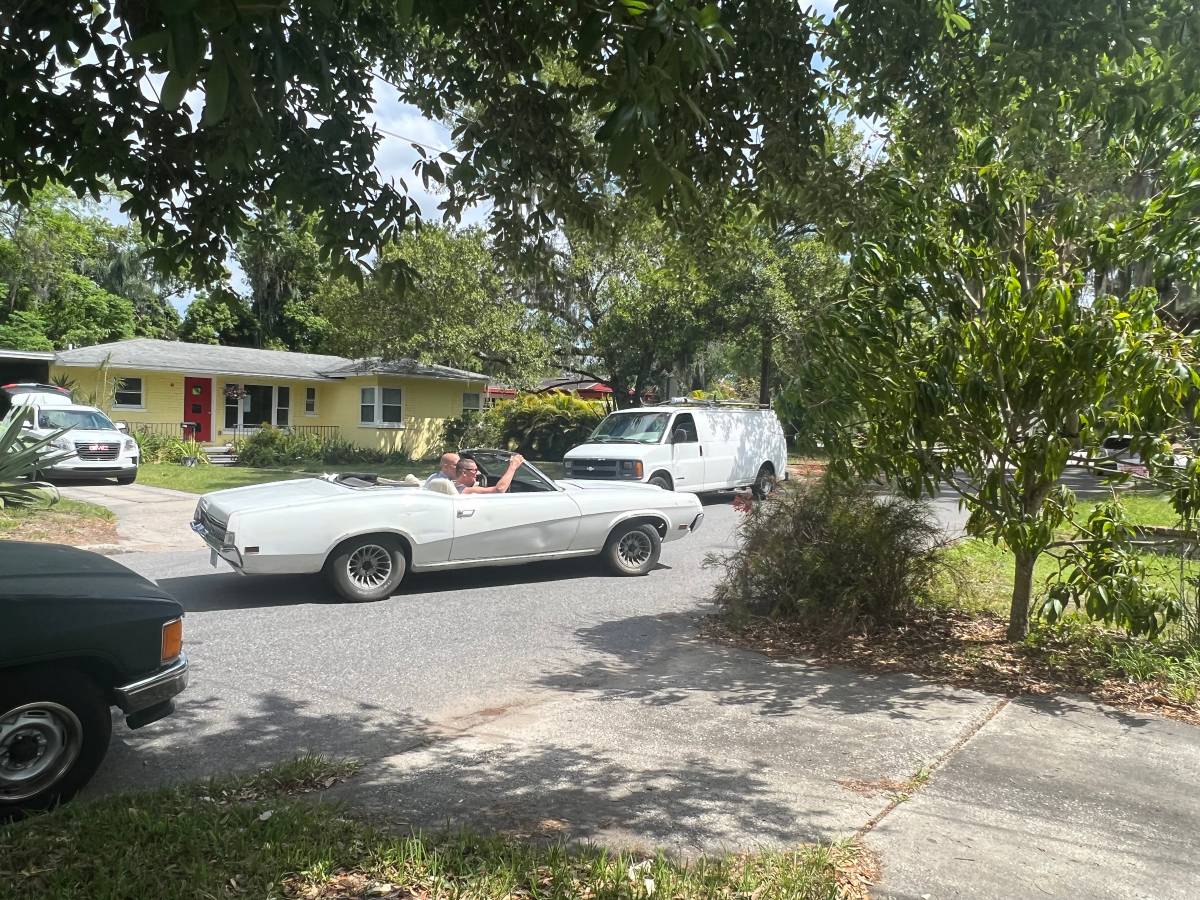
273,447
152,446
832,555
475,429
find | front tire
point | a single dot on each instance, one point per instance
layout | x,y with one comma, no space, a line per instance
367,569
764,482
658,479
55,727
127,479
633,549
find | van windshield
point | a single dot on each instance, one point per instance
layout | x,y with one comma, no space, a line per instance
631,427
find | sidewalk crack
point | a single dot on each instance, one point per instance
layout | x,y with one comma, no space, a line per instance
927,772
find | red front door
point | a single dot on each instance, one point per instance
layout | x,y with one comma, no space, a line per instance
197,407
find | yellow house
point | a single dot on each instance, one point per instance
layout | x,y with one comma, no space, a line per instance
216,394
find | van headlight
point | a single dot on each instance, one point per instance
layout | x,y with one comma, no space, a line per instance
631,468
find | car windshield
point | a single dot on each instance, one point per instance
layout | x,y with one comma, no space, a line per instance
87,419
527,479
631,427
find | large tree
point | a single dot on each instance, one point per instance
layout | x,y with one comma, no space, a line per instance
1005,315
200,110
459,311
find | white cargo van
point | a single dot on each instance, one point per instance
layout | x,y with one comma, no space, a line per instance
687,446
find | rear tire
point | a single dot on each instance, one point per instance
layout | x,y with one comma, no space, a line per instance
366,569
633,549
764,482
55,726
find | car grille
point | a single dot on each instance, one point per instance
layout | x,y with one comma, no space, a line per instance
592,468
212,525
94,451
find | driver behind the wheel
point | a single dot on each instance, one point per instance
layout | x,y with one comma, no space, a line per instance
467,472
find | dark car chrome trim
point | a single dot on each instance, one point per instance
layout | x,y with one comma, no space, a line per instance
155,688
696,521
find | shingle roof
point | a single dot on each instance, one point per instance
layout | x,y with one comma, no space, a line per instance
177,356
402,367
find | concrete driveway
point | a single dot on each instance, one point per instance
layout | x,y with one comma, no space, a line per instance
148,518
556,700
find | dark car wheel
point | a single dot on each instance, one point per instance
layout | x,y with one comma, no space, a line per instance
55,726
369,568
660,480
127,479
764,483
633,549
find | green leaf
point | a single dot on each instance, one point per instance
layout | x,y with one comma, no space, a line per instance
147,43
173,90
216,92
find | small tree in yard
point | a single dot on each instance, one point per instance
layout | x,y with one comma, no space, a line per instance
983,351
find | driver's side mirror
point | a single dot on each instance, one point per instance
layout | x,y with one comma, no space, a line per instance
121,426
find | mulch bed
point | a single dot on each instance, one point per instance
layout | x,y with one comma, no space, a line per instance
961,649
51,526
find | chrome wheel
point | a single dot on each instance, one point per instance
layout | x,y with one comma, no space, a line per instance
634,548
369,567
39,742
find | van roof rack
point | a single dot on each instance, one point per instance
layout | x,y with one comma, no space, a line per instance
736,404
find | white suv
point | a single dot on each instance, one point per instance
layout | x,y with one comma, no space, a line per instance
101,448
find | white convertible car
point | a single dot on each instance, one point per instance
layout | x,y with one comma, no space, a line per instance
366,532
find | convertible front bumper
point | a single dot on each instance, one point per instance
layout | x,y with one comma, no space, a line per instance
218,547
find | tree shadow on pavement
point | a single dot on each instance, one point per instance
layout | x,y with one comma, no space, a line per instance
662,660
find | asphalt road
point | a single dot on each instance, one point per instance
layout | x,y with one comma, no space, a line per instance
559,701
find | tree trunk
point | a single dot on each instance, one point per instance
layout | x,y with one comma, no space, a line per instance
1018,616
764,377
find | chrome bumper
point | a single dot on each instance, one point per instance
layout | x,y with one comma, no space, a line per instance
229,554
154,689
696,522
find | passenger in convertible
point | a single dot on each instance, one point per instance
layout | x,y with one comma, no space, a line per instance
447,470
468,471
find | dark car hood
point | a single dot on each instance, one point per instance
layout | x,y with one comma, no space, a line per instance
52,571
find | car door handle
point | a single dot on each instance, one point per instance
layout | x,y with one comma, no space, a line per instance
466,513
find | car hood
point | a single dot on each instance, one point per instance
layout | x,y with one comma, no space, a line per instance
54,572
89,436
608,451
273,494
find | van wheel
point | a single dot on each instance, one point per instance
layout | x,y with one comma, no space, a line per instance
367,569
660,480
764,482
633,549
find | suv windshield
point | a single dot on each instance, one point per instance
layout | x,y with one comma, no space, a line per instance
87,419
634,427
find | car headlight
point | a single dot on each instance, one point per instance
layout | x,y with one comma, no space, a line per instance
62,442
130,445
631,468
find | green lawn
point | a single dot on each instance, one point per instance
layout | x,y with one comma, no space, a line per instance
249,837
12,518
986,571
202,479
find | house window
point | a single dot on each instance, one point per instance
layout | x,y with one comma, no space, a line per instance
128,394
471,401
366,408
381,407
310,401
283,403
255,405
